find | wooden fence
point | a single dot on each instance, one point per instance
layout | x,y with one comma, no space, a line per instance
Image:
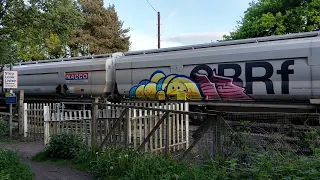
127,124
33,119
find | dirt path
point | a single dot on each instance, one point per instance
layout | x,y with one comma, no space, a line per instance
45,170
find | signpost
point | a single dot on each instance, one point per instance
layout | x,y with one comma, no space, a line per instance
10,81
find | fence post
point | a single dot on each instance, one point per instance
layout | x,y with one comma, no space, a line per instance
126,128
20,111
46,124
186,106
25,119
216,135
166,145
94,116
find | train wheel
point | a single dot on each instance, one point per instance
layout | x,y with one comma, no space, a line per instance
196,120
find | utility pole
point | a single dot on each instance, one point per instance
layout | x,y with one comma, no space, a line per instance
158,30
158,22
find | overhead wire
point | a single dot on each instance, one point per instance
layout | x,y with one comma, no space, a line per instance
151,6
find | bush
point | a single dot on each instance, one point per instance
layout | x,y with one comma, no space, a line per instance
3,128
12,168
64,146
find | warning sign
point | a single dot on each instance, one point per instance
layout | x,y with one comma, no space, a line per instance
10,79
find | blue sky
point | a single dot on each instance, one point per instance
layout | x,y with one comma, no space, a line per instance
183,22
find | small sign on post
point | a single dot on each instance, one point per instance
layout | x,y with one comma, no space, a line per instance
11,98
10,79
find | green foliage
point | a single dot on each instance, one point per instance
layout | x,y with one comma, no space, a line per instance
3,128
272,166
54,45
118,163
12,168
275,17
64,146
115,163
30,27
102,31
129,164
36,29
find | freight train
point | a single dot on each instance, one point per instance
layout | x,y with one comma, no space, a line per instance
283,68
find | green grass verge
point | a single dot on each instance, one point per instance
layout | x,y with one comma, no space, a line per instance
12,168
117,163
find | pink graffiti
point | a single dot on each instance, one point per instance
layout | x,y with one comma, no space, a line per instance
208,88
228,90
219,87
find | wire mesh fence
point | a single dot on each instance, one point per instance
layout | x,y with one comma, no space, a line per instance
240,133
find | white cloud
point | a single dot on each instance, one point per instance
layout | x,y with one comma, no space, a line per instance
141,41
196,38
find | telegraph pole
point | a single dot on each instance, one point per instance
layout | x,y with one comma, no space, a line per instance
158,30
158,22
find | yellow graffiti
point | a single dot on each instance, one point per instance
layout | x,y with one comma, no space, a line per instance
167,80
169,86
183,84
150,90
140,92
156,77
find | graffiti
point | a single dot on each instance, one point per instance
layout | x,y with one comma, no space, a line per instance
209,83
203,83
215,87
251,77
168,84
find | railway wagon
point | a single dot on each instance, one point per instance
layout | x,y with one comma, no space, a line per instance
284,68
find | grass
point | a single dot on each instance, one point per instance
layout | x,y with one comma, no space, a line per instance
117,163
12,168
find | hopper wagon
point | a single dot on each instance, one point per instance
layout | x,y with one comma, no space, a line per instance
283,69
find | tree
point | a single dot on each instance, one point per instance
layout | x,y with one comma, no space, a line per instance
38,29
102,31
275,17
7,49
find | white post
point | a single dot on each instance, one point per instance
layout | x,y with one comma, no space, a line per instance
25,119
129,126
186,106
46,124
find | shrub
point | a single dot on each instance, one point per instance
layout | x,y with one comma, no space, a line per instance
3,128
12,168
64,146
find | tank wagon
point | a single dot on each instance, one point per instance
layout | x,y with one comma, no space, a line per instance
284,68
